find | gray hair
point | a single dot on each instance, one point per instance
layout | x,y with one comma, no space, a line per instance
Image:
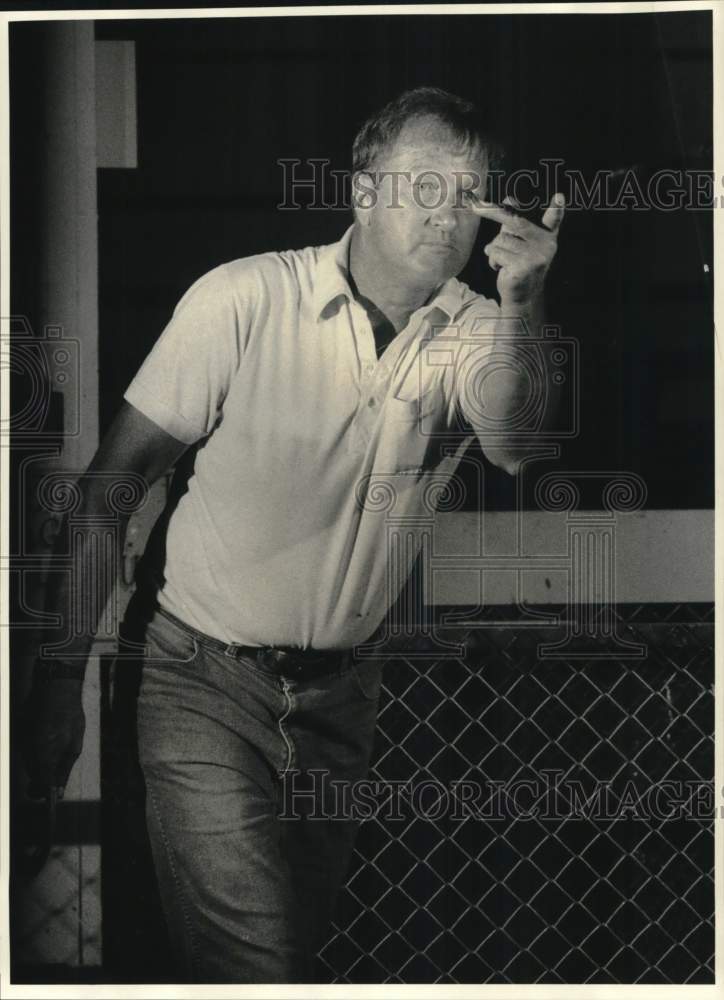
458,115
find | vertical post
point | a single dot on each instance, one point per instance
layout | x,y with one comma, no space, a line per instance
64,307
69,242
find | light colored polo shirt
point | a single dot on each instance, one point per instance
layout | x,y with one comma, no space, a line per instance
317,464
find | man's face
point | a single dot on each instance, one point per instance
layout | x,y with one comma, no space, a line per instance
420,225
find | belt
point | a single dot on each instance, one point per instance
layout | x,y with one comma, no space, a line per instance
289,661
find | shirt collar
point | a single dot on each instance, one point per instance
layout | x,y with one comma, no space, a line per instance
332,281
332,270
447,299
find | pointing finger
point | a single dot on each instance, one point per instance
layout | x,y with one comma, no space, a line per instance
553,215
498,213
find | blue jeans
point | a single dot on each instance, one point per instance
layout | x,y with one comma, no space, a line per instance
247,894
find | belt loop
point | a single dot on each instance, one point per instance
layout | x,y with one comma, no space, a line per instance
231,651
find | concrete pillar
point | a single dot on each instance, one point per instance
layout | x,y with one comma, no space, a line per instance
57,914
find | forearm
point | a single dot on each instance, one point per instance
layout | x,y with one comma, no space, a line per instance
522,254
520,374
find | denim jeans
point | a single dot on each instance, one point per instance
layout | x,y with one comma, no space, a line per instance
247,894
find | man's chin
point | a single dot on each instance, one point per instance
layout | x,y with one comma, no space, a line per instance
438,261
427,269
436,275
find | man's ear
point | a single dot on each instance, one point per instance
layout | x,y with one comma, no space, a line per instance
364,195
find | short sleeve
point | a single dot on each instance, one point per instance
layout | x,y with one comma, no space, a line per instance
182,384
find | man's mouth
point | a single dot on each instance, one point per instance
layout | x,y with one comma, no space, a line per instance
440,246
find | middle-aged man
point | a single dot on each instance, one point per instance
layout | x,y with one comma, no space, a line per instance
304,382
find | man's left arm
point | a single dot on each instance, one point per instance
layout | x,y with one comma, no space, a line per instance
522,254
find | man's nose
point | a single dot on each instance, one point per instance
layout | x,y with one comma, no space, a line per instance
444,216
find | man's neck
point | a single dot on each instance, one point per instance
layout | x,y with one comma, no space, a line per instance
387,300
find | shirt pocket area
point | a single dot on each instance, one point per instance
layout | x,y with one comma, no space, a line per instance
423,408
416,430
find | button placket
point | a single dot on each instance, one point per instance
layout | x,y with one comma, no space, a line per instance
364,339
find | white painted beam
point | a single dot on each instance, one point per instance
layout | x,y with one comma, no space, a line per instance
504,557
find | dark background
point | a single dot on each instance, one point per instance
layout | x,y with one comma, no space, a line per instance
221,101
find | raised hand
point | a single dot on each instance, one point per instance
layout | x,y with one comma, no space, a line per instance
523,251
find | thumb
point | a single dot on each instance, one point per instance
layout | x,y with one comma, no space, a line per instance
553,215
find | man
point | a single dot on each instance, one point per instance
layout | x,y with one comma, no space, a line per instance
301,381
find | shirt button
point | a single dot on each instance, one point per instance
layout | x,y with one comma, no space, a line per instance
368,369
371,402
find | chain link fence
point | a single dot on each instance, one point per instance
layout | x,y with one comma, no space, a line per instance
557,885
522,843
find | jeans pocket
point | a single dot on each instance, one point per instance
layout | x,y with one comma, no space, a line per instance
168,643
368,679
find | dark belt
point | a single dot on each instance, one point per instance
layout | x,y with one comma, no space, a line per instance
282,660
297,662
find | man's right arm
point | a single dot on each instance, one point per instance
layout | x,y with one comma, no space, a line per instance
54,720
